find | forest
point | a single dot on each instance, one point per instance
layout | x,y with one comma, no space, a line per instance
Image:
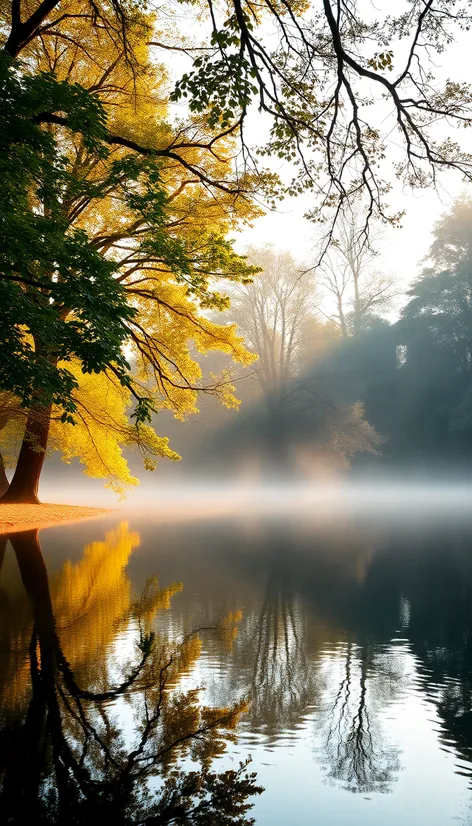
352,370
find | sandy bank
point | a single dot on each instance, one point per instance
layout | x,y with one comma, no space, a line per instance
27,517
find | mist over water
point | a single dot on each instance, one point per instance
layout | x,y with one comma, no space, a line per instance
375,495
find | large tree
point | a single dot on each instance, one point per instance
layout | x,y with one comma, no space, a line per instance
435,337
317,79
272,313
145,231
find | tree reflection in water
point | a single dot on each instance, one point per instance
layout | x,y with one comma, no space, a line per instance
353,747
282,680
438,588
300,663
64,757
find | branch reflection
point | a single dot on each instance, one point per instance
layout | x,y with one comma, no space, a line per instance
354,747
304,669
69,750
282,680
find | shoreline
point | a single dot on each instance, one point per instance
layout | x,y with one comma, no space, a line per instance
15,518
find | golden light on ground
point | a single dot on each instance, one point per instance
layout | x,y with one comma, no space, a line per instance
27,517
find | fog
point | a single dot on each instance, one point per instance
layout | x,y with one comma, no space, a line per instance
374,497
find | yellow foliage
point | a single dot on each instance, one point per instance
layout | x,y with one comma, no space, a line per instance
91,597
174,327
153,600
92,601
93,615
101,432
229,627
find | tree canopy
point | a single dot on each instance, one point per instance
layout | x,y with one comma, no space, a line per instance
120,250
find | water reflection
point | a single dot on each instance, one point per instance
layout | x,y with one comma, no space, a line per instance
437,583
351,640
282,681
67,754
354,745
303,656
355,635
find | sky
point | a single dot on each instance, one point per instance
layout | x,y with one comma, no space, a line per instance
401,250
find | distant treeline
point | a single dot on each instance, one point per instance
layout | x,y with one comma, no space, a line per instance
401,391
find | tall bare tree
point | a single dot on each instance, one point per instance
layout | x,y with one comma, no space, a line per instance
349,278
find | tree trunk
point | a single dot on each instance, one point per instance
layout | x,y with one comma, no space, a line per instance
342,318
357,325
3,547
24,484
21,797
4,483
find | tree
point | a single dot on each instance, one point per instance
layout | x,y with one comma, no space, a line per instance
413,376
271,312
102,431
347,274
435,334
52,274
318,429
329,94
307,422
161,276
318,84
315,86
310,420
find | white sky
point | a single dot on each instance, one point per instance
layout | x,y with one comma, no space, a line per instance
401,251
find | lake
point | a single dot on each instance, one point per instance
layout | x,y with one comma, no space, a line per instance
346,631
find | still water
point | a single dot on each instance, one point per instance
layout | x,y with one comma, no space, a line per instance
345,638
